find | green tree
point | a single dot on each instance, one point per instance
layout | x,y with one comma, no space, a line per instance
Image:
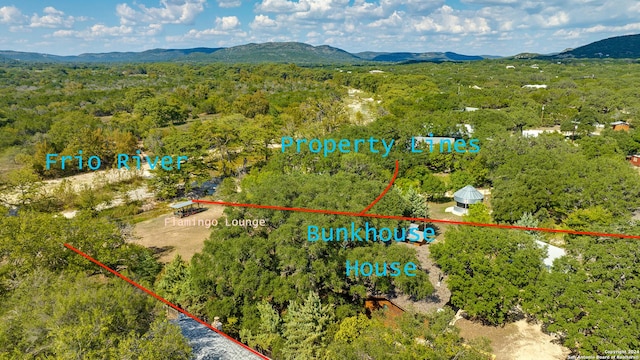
589,297
478,213
432,186
490,270
160,111
173,280
543,175
34,240
82,317
268,337
252,105
528,220
305,328
22,188
410,336
417,204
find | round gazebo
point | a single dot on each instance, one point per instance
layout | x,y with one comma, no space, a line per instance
466,196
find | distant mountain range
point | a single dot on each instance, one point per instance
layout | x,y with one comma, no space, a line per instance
155,55
627,46
619,47
415,57
279,52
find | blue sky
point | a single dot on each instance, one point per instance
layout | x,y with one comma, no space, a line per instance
475,27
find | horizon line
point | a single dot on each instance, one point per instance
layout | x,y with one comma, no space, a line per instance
270,42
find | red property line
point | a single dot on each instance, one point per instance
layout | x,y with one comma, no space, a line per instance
158,297
379,216
395,174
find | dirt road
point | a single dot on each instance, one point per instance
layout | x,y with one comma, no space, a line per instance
515,341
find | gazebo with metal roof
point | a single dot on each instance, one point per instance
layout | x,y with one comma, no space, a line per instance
186,208
466,196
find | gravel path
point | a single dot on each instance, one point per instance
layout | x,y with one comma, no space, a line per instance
442,294
209,345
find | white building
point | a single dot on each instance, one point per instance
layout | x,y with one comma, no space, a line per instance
465,197
529,86
537,132
553,252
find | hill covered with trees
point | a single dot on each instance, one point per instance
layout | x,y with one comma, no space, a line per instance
271,52
618,47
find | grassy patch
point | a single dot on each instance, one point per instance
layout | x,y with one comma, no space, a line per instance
151,214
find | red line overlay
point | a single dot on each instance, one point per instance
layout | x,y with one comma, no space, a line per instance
158,297
453,222
395,174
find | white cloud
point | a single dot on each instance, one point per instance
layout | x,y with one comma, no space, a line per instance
448,20
225,26
283,6
490,2
194,34
262,21
96,31
229,3
598,29
317,10
413,5
422,5
620,28
506,26
395,20
151,30
558,19
567,34
367,10
19,28
99,30
171,12
11,15
52,18
126,14
198,34
550,18
227,22
65,33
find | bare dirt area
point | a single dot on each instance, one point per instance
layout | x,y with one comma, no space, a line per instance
170,238
356,103
97,178
515,341
441,295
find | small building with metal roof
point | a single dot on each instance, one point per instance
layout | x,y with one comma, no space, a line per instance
620,126
186,208
464,197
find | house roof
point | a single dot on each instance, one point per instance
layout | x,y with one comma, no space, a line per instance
619,123
468,195
553,252
434,139
181,204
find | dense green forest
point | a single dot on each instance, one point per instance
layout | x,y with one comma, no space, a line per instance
275,290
